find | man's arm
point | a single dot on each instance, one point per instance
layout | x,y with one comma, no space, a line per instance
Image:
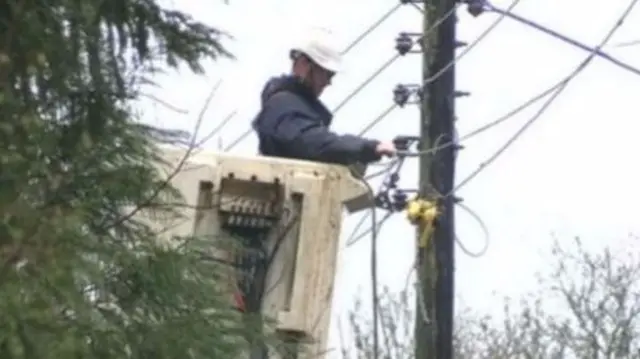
315,142
308,139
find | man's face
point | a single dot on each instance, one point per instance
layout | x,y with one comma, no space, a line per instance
315,76
319,78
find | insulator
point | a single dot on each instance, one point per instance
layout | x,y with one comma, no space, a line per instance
476,7
461,93
459,44
399,200
401,94
403,142
404,43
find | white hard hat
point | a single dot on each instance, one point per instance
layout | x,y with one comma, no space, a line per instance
318,44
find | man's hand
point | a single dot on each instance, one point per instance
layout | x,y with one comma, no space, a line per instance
386,149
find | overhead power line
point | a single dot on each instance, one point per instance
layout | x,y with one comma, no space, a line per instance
371,28
355,236
503,13
595,51
366,83
509,115
437,75
627,43
559,89
379,71
521,107
555,92
555,89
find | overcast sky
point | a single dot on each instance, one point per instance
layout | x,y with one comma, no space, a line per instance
574,172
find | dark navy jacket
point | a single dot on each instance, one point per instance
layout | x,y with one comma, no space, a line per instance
293,123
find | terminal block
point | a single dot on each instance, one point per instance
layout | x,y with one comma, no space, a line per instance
297,206
250,204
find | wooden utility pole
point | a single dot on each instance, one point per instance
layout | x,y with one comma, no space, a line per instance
434,321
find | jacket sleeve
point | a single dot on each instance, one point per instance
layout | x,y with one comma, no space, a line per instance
307,139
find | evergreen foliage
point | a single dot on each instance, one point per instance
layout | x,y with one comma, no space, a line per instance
80,275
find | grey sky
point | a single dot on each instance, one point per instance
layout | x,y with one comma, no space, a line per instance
572,173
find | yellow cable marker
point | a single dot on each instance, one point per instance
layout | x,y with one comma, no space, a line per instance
422,213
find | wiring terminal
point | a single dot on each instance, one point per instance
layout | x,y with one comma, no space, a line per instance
405,42
475,7
404,94
390,197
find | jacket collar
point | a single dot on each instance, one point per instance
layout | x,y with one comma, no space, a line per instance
292,84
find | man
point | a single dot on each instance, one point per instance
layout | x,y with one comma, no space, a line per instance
294,123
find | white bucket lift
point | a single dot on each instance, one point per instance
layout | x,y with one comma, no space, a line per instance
265,192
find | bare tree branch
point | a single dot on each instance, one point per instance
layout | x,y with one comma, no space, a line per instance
587,306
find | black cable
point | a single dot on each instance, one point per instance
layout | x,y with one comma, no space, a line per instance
264,260
562,86
393,168
375,228
375,302
354,239
627,43
281,237
484,127
366,82
596,51
251,262
377,119
371,28
254,262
